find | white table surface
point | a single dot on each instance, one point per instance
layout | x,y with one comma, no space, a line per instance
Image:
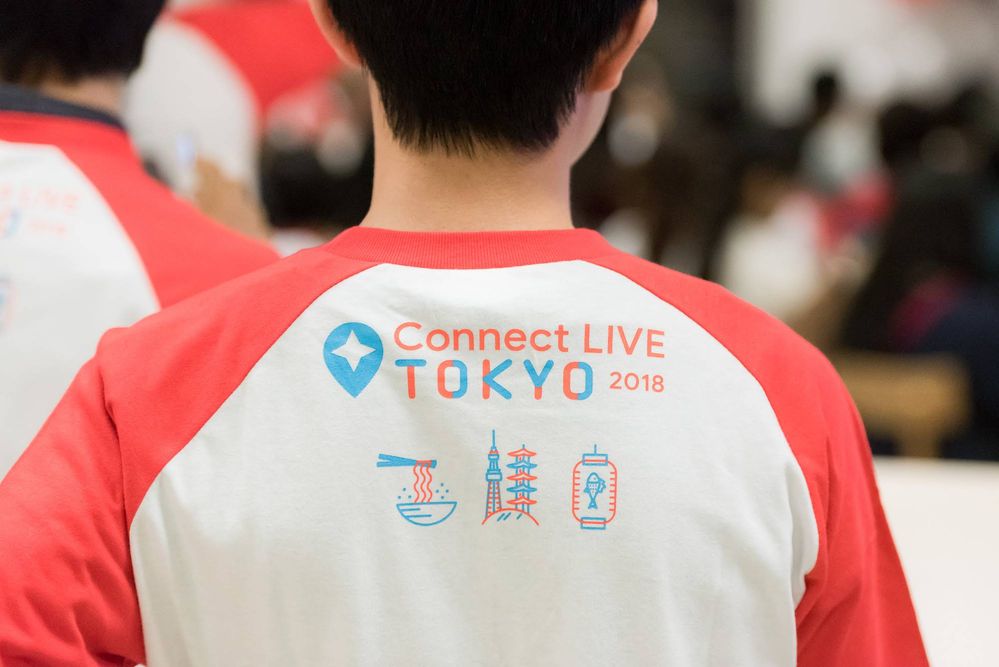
945,519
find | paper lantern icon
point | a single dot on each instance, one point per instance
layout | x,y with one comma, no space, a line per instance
594,491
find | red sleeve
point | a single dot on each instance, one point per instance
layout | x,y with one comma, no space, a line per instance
67,596
67,591
184,252
856,609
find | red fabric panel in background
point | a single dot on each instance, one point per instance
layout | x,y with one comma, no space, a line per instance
275,44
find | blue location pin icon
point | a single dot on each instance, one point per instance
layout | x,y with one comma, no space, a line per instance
353,353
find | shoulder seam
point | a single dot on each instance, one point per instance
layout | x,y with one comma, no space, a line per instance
187,439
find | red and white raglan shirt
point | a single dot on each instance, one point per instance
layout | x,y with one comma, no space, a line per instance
87,242
453,449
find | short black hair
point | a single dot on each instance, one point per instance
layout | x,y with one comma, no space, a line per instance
455,74
72,39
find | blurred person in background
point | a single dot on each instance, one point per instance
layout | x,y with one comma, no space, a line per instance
636,184
929,292
87,240
902,127
318,159
840,166
637,125
770,250
933,288
839,143
211,75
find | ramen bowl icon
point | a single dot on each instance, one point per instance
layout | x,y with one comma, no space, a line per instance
427,514
422,509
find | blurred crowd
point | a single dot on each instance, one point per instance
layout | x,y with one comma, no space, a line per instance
874,232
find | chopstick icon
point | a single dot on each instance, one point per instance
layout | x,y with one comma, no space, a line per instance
387,461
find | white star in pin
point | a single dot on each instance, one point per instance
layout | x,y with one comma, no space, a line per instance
353,350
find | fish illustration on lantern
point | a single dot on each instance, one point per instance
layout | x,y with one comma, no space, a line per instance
594,491
595,485
418,506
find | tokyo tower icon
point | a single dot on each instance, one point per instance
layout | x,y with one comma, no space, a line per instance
493,478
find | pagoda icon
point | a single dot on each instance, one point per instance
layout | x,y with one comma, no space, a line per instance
522,476
522,479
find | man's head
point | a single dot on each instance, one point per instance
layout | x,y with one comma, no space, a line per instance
458,74
72,40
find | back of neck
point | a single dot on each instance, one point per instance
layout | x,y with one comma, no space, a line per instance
101,93
492,191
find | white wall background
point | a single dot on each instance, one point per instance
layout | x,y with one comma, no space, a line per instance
882,48
943,518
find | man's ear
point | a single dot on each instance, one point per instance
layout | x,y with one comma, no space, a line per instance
610,64
334,35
